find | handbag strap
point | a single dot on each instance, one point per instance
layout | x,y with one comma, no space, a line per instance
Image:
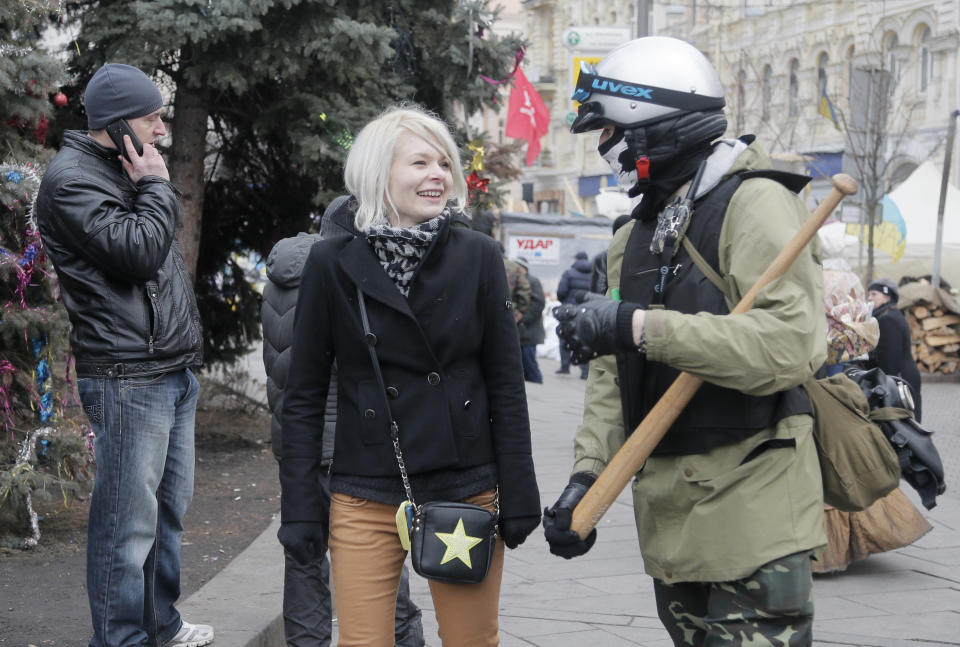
371,341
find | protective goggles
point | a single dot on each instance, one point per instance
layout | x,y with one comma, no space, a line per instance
590,83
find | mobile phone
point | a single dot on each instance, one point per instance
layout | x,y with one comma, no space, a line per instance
117,129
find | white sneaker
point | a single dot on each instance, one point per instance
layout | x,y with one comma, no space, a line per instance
191,636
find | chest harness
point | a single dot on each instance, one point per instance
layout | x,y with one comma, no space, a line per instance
662,268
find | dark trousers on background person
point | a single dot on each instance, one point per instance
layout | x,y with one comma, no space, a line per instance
307,607
531,370
366,574
565,363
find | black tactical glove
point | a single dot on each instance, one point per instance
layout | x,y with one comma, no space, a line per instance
597,326
306,541
515,531
556,519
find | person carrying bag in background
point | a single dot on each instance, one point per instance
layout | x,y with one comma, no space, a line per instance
441,321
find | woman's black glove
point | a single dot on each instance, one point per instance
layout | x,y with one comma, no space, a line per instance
598,326
556,519
305,541
515,531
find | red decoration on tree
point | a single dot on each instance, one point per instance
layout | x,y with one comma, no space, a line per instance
40,130
59,99
476,183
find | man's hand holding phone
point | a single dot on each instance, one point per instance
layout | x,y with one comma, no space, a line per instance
139,166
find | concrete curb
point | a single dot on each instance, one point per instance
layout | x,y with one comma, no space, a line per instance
244,601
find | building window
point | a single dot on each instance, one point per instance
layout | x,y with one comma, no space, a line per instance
850,52
741,100
893,66
822,61
767,91
794,88
926,60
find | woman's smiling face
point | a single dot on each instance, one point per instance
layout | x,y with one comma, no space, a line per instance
420,180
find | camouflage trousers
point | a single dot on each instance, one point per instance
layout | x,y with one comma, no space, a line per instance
771,608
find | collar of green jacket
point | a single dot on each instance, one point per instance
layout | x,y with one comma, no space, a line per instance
732,156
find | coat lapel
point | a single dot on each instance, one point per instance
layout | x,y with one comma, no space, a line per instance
361,265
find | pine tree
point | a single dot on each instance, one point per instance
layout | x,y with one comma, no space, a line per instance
40,450
28,77
265,97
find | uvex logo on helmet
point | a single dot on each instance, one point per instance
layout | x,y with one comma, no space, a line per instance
608,86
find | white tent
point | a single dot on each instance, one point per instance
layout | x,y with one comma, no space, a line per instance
918,199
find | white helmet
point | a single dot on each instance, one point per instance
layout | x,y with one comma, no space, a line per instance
643,81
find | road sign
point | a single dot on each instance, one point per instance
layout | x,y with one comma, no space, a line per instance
595,38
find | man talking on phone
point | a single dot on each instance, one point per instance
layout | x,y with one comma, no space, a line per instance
107,221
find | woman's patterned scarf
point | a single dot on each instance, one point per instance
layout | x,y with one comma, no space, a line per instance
400,249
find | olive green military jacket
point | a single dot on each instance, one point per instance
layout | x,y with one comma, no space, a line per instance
707,517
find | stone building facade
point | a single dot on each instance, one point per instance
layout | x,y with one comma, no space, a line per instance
780,62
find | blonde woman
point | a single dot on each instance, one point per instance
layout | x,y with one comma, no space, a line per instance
437,301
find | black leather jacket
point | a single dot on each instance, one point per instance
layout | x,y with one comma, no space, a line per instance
122,278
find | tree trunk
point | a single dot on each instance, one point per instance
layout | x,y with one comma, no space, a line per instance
187,167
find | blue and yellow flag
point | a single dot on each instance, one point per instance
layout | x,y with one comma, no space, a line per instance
890,235
826,109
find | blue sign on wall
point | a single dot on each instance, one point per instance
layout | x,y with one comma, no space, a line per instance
592,185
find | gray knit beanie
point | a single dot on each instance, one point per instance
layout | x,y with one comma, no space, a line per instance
119,91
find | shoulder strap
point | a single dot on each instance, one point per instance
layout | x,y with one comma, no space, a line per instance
792,181
704,267
371,341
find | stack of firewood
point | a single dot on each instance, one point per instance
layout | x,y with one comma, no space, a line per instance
935,332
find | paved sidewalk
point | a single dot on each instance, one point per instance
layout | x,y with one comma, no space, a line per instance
909,597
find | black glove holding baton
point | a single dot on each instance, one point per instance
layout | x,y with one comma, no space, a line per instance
556,519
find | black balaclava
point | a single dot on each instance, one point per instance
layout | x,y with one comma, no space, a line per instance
669,150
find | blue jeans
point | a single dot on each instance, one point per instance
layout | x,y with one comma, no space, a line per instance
143,445
531,370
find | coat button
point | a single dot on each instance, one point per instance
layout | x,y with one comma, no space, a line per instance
392,391
508,305
369,414
433,379
371,339
466,405
668,574
687,472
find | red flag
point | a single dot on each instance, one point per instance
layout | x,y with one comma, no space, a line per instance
527,115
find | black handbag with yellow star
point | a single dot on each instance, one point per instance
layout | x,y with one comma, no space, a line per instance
449,541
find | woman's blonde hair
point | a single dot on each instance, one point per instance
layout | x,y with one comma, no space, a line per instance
367,170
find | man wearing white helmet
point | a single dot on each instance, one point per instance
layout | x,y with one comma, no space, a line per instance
729,505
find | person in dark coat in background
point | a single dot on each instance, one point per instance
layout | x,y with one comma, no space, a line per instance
307,612
598,279
574,285
892,354
530,326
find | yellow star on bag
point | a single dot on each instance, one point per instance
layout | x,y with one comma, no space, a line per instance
458,544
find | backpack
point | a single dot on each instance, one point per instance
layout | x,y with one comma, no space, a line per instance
858,464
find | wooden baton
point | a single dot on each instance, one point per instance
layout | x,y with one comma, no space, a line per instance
635,451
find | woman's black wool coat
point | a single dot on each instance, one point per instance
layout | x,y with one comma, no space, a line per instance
450,358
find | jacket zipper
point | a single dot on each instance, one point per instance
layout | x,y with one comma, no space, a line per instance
154,317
